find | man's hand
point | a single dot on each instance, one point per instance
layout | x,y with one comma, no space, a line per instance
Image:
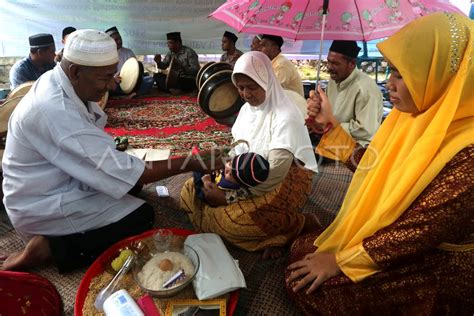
117,79
320,110
162,169
314,269
157,58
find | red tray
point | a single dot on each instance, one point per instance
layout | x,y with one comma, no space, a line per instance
97,267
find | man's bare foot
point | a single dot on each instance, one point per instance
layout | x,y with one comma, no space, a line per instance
130,96
176,91
36,252
272,253
311,223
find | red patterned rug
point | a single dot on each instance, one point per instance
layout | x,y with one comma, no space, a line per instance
175,123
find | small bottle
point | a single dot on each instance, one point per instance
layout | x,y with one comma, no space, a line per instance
121,303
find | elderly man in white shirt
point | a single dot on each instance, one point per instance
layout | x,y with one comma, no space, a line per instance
65,185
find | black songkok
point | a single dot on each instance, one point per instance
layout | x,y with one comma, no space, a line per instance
231,36
41,40
277,39
173,36
348,48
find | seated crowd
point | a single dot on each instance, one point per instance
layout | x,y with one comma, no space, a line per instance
402,240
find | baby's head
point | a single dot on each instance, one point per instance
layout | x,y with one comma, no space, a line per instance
247,169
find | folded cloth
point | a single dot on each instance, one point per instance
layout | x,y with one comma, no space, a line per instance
218,272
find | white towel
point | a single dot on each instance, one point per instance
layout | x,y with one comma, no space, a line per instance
218,272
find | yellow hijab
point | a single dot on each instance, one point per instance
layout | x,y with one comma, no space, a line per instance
434,55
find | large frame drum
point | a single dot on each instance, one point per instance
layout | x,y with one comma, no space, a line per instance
218,97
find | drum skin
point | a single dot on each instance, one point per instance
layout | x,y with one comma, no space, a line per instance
212,69
218,97
131,75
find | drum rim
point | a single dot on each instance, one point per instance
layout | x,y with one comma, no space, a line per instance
172,62
198,76
141,71
214,65
11,95
205,94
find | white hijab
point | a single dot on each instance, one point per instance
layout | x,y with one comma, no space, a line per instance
276,123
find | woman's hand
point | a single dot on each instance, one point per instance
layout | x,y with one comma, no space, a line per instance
315,268
320,110
213,195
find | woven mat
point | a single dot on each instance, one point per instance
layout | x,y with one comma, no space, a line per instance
329,188
265,293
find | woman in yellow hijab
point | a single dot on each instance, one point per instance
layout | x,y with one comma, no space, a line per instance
403,239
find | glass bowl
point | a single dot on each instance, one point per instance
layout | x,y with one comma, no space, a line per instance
143,258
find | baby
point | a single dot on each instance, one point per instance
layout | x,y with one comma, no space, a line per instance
243,171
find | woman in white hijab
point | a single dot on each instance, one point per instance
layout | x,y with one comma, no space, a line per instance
265,216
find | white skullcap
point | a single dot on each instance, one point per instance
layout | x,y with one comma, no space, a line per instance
90,48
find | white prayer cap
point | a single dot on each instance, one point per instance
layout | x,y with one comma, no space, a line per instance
91,48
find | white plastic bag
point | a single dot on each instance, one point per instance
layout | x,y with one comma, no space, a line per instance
218,272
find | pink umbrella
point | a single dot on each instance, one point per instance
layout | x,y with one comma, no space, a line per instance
361,20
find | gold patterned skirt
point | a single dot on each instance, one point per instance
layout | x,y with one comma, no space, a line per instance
256,223
435,283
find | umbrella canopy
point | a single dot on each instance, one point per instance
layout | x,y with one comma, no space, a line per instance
360,20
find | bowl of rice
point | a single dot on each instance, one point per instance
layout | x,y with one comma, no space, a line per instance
165,274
